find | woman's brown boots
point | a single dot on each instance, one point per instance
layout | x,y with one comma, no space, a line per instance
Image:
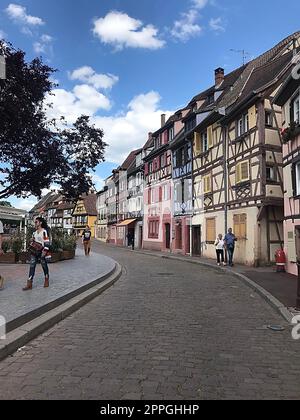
46,285
29,286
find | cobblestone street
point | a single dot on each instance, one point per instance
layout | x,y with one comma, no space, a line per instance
166,330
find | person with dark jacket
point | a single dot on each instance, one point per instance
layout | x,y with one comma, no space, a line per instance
230,240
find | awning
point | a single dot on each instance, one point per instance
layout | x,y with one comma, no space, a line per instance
127,222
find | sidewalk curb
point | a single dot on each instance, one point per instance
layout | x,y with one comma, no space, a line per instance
21,336
268,297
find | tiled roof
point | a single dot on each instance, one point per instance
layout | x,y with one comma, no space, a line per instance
90,204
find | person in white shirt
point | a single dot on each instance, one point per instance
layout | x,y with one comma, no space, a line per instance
220,250
1,252
40,237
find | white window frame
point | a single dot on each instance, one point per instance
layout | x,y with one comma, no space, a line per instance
298,179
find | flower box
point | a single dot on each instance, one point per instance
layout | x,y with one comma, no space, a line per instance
8,258
68,255
56,257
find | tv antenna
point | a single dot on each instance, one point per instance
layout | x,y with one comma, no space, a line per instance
244,53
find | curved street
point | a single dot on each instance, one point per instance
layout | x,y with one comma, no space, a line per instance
166,330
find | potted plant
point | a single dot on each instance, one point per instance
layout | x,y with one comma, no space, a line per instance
7,257
69,247
17,247
56,250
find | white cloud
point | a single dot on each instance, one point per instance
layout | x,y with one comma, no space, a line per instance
19,14
83,99
88,75
44,44
24,204
121,31
187,27
98,181
2,35
217,25
129,131
199,4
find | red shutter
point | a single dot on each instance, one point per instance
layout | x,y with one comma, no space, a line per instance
146,169
158,162
160,194
166,137
149,196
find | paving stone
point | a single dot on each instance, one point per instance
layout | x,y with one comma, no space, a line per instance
195,335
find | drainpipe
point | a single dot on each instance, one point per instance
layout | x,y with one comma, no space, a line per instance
193,202
225,178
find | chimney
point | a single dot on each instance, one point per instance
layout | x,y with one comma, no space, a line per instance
163,120
219,76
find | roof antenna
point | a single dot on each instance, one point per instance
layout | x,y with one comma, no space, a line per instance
244,53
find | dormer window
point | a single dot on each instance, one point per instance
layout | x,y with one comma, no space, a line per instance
211,99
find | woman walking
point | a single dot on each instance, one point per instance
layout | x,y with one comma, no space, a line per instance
220,250
39,248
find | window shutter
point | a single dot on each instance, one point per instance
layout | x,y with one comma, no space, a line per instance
244,171
149,196
160,194
166,137
210,230
252,117
158,162
146,169
238,174
210,137
197,142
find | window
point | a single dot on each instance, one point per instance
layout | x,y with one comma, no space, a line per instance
153,229
190,124
163,161
243,125
269,119
240,226
171,134
297,186
204,142
207,187
242,172
271,174
211,230
295,109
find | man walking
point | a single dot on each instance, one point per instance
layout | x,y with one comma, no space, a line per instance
230,240
86,240
1,252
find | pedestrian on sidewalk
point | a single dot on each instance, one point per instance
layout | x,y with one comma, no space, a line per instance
220,250
1,252
230,240
39,249
86,241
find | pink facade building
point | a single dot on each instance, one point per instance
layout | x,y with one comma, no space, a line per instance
157,226
289,99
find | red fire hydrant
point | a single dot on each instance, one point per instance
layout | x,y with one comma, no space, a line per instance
280,259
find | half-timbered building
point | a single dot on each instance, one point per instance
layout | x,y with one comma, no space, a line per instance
289,99
157,226
182,206
238,174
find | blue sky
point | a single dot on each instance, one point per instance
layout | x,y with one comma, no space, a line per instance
125,62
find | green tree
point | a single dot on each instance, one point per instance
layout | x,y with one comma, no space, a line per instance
34,153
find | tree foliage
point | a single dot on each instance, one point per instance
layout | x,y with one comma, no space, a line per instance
35,152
